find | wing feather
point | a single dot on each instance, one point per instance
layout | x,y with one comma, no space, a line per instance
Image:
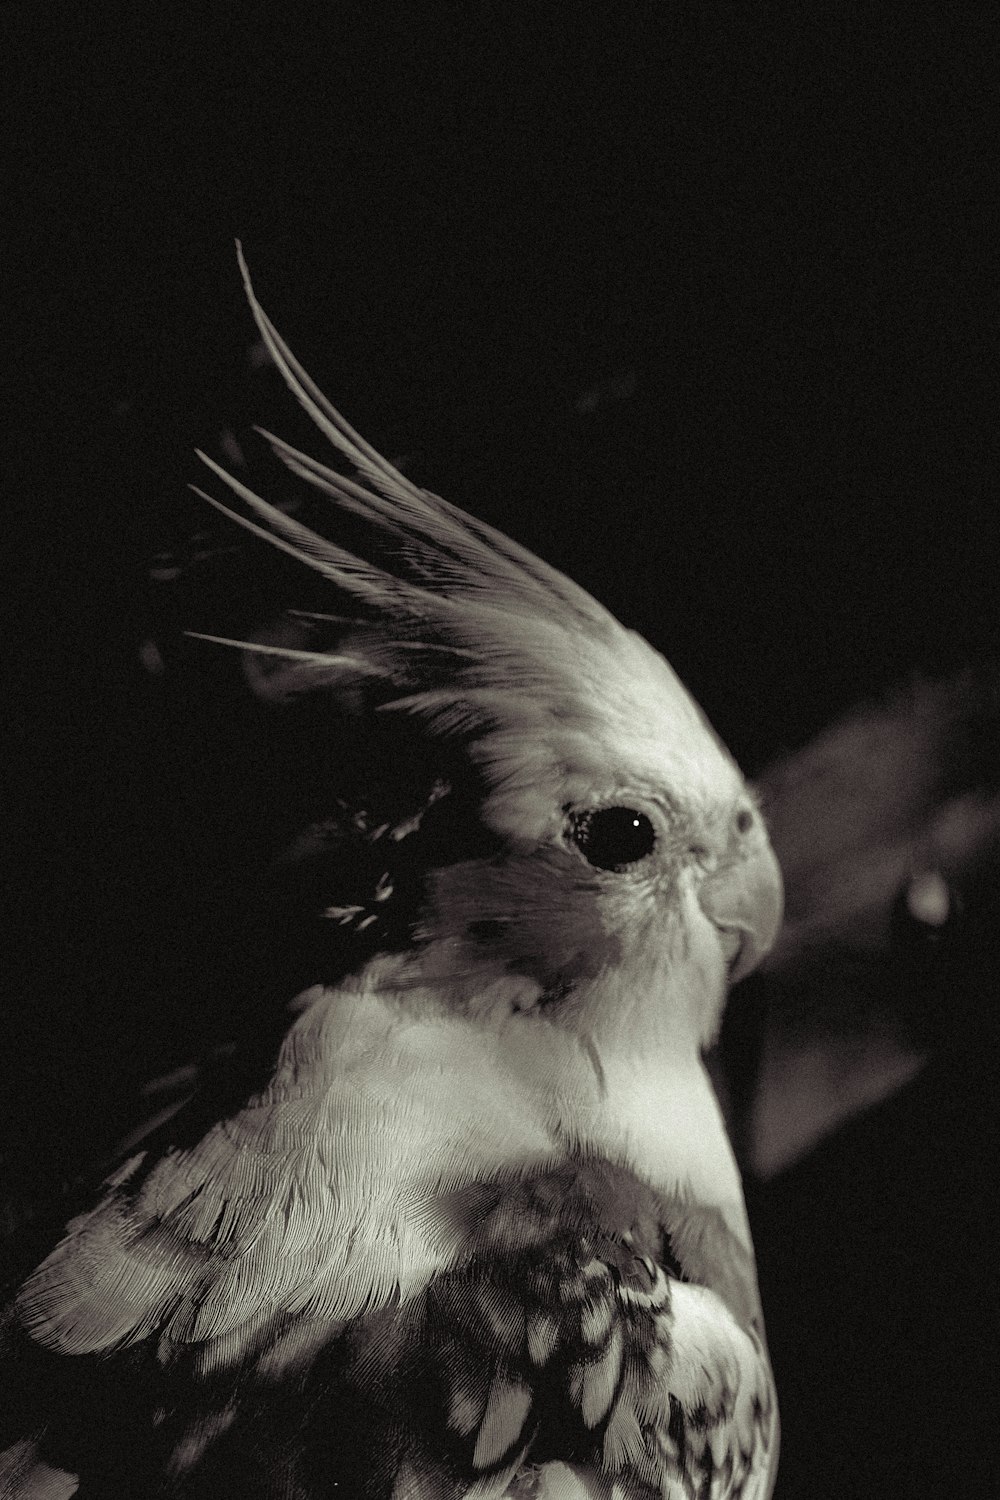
316,1197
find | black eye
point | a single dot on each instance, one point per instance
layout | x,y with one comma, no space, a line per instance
612,838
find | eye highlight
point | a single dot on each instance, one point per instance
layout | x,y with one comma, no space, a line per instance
612,838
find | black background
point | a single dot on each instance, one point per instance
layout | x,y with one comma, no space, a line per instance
698,301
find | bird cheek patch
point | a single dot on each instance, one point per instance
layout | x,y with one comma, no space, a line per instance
531,916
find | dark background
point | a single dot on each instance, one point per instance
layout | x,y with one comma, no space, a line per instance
699,302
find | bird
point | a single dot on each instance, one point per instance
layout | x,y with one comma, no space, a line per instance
468,1225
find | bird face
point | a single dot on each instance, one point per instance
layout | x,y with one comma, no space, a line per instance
625,917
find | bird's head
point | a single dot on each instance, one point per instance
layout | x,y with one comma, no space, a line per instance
629,876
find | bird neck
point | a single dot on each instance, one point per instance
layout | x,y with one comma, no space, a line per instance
527,1090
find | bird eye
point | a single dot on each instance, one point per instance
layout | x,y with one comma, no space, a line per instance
612,838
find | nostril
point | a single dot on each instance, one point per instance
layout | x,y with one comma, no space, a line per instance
744,820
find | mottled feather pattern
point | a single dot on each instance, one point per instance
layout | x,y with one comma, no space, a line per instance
461,1222
572,1352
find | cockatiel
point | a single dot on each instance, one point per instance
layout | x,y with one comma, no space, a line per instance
479,1232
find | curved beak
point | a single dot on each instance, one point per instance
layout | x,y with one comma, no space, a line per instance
744,898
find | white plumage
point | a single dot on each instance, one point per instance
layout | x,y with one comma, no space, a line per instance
481,1232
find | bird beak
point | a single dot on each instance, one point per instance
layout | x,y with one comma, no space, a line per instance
743,897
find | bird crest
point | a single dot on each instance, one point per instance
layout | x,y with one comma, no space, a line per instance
460,626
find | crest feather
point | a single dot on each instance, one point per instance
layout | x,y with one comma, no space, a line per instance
451,546
456,622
